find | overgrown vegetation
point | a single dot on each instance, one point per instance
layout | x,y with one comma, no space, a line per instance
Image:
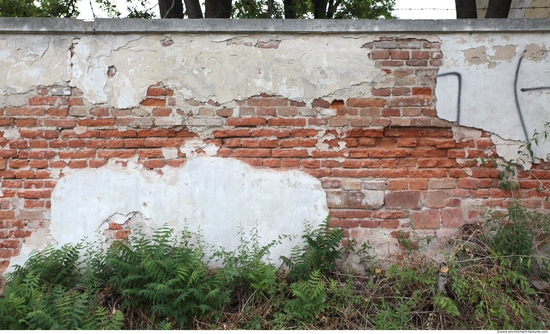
164,282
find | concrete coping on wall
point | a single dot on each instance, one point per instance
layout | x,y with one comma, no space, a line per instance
132,26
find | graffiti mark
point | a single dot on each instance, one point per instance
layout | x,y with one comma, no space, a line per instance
534,88
518,107
459,78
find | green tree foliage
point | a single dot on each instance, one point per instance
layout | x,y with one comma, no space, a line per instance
241,9
41,8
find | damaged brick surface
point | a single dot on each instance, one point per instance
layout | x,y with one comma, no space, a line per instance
381,153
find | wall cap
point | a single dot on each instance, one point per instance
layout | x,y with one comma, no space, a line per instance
155,26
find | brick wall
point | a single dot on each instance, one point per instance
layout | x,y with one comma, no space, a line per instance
382,160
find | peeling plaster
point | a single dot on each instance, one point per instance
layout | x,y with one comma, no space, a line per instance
496,82
216,196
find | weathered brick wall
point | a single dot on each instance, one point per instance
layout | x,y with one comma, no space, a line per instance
384,159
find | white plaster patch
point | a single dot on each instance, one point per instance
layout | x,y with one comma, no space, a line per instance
12,133
211,195
169,153
498,83
512,151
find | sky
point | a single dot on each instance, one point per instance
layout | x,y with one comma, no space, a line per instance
405,9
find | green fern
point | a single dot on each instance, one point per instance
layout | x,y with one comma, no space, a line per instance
322,250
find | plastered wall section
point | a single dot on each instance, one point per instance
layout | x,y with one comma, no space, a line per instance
229,131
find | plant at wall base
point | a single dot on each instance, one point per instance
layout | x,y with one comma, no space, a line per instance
163,282
46,294
163,279
321,250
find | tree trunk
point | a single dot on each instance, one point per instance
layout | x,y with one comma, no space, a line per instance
171,9
193,9
218,9
270,8
466,9
290,10
320,9
498,9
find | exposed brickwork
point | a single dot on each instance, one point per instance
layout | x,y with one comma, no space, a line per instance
383,158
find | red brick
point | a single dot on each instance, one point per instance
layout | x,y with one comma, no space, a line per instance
260,152
121,154
286,122
273,163
117,133
398,184
76,101
150,153
153,102
251,122
157,91
435,198
250,143
304,132
421,91
407,142
420,54
25,111
288,153
381,91
290,163
400,55
388,112
99,112
267,102
78,163
37,154
365,103
97,122
270,133
429,218
162,112
45,100
154,163
410,101
7,214
403,200
10,243
468,183
76,143
25,122
133,143
425,153
232,133
452,217
380,54
34,193
484,143
388,153
401,91
418,184
97,163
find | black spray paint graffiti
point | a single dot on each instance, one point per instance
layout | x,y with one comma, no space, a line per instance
459,78
516,96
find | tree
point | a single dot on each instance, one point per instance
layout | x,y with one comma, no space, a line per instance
467,9
290,9
42,8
